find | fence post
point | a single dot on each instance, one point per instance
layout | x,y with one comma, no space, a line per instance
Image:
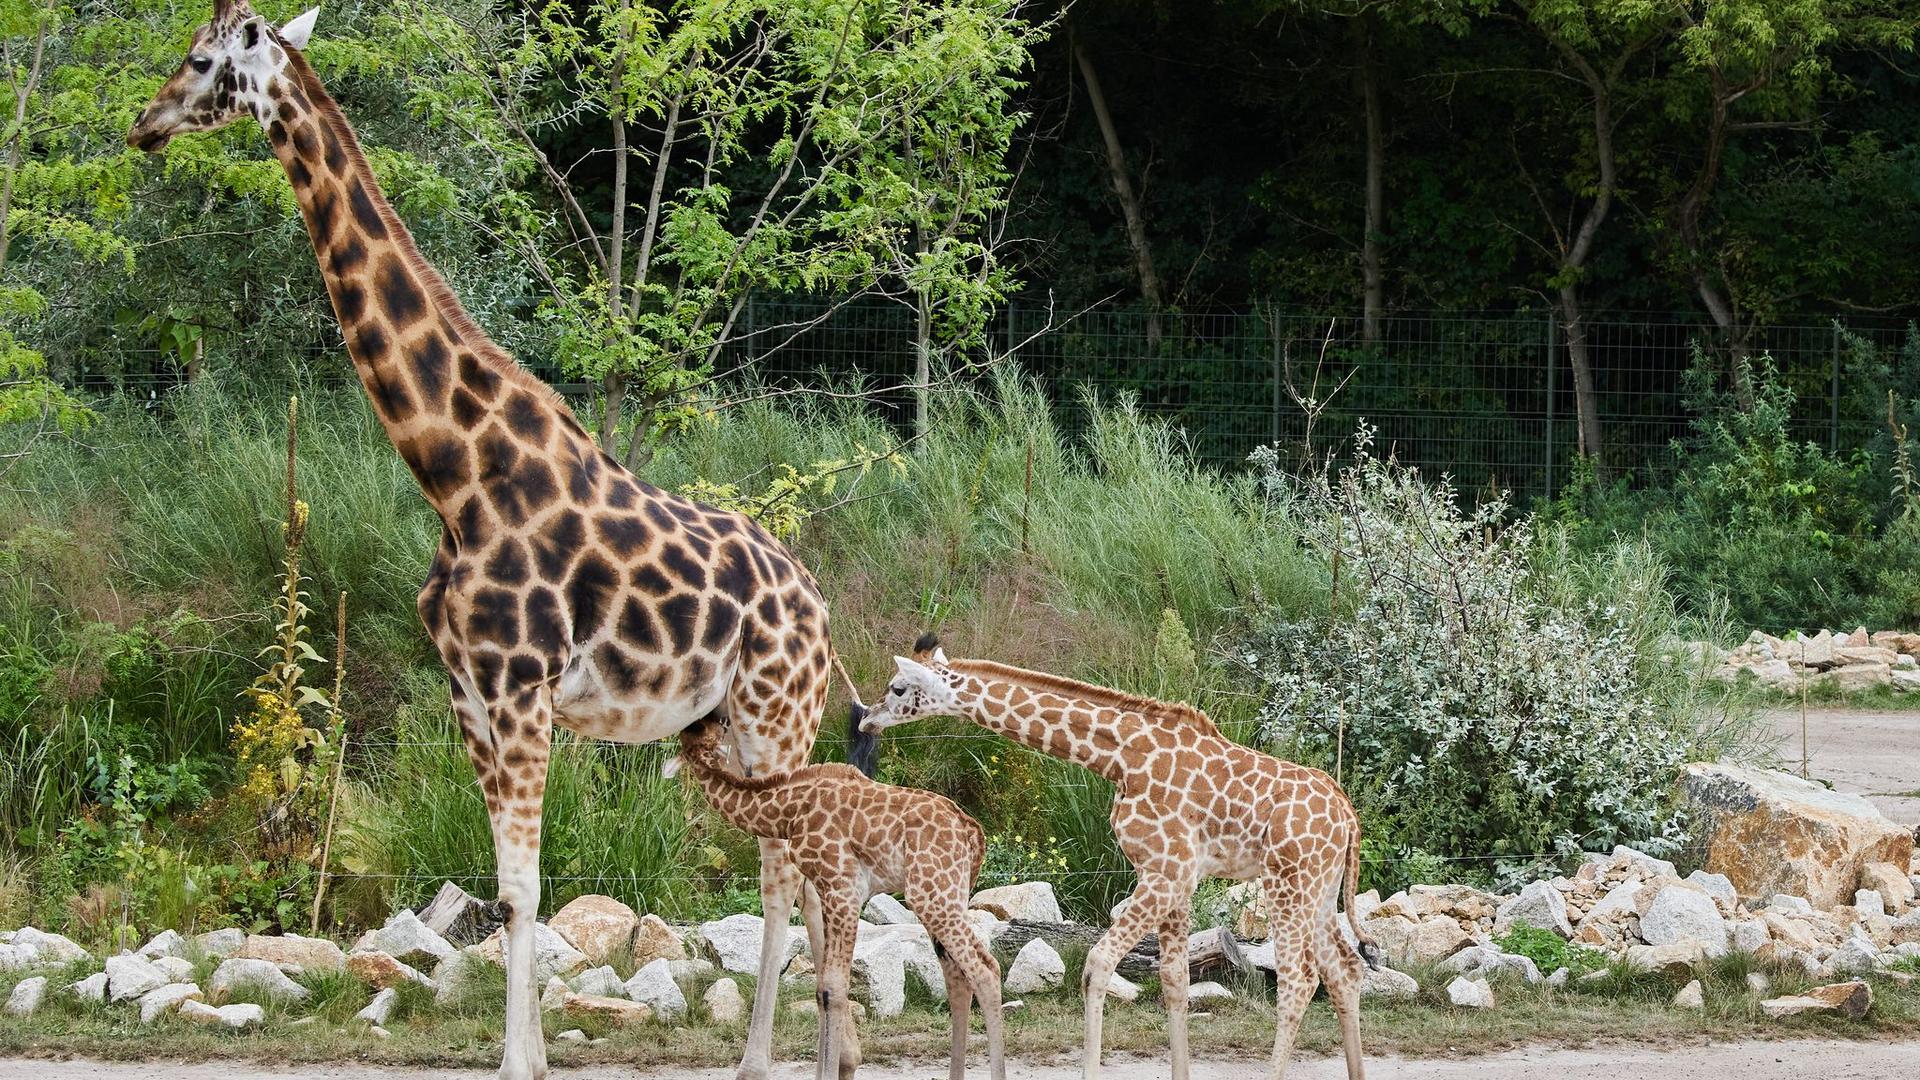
1833,394
1551,364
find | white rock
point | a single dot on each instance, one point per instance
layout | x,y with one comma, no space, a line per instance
177,969
1122,988
130,977
602,981
1691,996
379,1032
380,1009
1213,991
599,926
735,942
1717,886
1036,969
1538,905
654,985
262,975
882,965
1642,864
27,996
987,925
689,970
91,988
1679,915
159,1002
1559,977
1618,902
48,948
1749,935
1758,983
723,1001
571,1035
164,943
13,957
915,949
554,994
237,1017
883,909
1470,993
295,952
1486,961
220,944
1388,984
1032,901
1869,902
1856,956
408,940
552,954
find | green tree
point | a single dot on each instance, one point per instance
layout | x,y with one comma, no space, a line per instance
829,148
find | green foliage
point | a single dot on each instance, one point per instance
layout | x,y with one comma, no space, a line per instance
1551,952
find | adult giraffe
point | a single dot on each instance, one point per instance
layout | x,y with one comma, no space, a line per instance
564,589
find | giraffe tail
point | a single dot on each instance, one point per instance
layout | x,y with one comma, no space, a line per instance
1369,950
863,747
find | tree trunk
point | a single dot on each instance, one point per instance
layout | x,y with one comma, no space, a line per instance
1585,397
1123,190
1372,276
616,381
1686,221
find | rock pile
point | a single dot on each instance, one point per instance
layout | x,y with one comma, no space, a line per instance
1843,661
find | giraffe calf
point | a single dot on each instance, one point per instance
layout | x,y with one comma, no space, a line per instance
851,837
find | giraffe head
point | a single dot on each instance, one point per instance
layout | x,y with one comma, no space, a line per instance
922,685
233,61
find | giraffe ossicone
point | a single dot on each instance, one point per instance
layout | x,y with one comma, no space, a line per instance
564,589
1188,803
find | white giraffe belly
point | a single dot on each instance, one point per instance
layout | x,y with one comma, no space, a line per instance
586,704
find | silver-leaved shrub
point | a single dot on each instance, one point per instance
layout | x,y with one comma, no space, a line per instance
1494,702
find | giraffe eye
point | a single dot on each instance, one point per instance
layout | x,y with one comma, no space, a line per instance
200,64
898,689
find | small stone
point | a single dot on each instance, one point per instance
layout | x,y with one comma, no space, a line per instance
91,988
1892,883
1758,983
1789,904
408,940
693,970
262,975
1559,977
220,944
1124,989
572,1035
292,951
236,1017
130,977
1676,961
1212,991
608,1010
654,940
381,971
176,969
723,1001
1032,901
1869,902
165,943
1849,999
552,954
159,1002
1717,886
1691,996
379,1032
883,909
554,994
1036,969
1470,993
380,1009
1751,935
600,982
654,986
599,926
1855,956
1388,984
27,996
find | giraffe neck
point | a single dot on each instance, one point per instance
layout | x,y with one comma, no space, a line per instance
759,806
436,381
1106,740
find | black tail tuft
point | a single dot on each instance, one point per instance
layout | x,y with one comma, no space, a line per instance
1370,954
863,747
926,643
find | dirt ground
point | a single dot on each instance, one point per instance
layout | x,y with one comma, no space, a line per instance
1792,1060
1876,754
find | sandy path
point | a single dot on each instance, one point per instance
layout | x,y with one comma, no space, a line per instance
1791,1060
1876,754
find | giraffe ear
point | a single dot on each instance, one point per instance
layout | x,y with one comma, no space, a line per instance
915,670
671,768
940,656
300,28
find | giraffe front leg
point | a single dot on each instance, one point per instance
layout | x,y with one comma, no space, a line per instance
509,743
1151,899
779,887
1173,983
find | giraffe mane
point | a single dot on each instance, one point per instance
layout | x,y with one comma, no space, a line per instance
439,294
1177,712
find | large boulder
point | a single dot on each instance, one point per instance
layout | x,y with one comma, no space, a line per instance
160,1002
292,951
599,926
1032,901
26,997
1848,999
734,942
1538,905
1773,832
654,986
1405,941
654,940
130,977
724,1002
1035,969
408,940
1679,915
262,975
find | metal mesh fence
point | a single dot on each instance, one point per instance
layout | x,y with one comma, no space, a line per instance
1486,397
